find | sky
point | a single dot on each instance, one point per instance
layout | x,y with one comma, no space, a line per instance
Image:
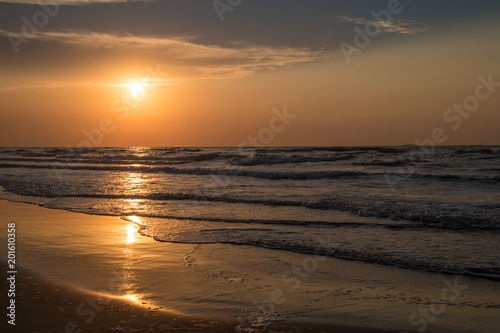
249,72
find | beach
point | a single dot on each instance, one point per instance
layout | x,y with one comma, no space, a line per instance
98,274
53,297
250,166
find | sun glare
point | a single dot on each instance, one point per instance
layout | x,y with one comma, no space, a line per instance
136,89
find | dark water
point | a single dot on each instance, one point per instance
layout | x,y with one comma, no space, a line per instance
435,209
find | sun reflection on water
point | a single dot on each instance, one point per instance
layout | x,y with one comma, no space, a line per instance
135,219
132,204
135,182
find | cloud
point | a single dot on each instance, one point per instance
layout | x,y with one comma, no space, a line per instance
190,59
38,85
395,25
61,85
179,48
68,2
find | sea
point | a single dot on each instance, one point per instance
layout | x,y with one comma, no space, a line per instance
424,208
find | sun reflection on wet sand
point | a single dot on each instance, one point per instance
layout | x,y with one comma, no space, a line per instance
133,184
133,298
127,280
131,232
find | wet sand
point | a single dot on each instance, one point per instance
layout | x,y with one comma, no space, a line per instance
99,274
48,306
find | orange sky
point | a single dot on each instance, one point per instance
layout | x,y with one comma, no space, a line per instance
65,82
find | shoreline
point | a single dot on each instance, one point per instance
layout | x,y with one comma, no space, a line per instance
88,251
487,277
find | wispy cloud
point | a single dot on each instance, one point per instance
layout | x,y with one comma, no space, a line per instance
61,85
68,2
197,60
38,85
395,25
181,48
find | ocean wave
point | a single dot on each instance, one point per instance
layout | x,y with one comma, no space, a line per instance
395,225
289,240
387,163
195,171
476,150
258,159
422,214
295,240
277,175
121,159
444,213
128,159
388,150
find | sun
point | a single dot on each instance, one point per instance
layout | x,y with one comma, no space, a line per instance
137,89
